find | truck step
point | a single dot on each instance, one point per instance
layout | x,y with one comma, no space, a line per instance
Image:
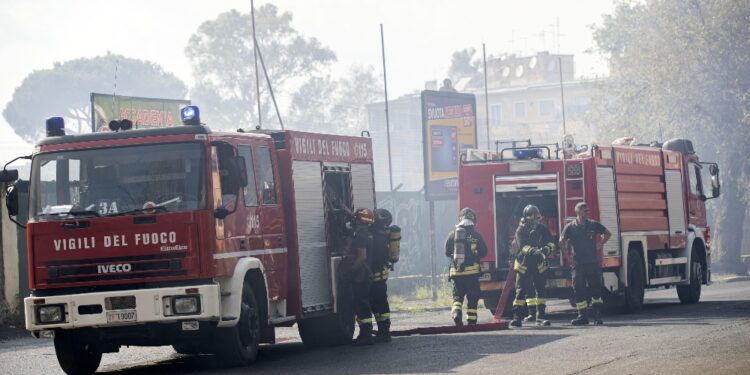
670,261
665,280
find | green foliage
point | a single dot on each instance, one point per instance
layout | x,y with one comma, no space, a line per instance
466,63
221,53
682,69
326,105
65,91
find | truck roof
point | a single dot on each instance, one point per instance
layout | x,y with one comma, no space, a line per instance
135,133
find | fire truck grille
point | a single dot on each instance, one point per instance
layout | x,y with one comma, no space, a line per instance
115,268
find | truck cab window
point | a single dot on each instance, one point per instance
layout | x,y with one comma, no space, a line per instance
229,188
251,190
265,172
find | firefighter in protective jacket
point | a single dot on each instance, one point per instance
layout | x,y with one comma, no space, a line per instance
357,271
465,246
381,263
534,243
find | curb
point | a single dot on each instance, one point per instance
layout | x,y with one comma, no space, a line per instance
733,279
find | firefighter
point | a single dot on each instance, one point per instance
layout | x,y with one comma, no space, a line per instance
534,243
381,263
582,235
465,246
358,272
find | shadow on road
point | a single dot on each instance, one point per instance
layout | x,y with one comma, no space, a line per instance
427,354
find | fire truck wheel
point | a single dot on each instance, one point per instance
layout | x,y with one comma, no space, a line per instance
636,283
76,356
238,345
692,293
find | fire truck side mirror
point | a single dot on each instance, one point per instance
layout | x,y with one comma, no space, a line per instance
11,201
8,175
715,186
713,169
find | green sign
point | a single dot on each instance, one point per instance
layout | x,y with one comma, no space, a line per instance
143,112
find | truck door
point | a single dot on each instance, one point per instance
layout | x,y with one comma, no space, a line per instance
271,222
228,205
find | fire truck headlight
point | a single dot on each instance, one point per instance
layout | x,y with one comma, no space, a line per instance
49,314
184,305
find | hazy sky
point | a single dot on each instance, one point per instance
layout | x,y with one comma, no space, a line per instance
420,36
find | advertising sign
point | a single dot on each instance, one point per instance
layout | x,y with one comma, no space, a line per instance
449,128
143,112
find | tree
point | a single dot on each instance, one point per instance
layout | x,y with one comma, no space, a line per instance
221,53
464,64
311,108
65,91
335,106
357,90
682,69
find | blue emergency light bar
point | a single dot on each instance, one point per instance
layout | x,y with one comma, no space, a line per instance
190,115
55,127
528,153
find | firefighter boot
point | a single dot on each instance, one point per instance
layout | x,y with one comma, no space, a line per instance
582,318
384,331
541,315
365,335
532,314
597,315
457,314
517,320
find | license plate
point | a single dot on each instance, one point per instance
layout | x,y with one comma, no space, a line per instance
121,316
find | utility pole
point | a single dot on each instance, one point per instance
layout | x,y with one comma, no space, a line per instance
255,55
387,125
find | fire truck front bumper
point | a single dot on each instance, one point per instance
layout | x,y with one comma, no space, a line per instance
123,308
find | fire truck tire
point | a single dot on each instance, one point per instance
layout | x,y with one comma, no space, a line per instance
238,345
636,283
76,356
692,293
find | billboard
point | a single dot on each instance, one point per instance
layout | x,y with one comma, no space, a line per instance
449,127
144,112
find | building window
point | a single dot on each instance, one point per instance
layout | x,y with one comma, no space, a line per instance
546,107
520,110
496,114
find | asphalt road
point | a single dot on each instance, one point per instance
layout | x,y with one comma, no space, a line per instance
712,337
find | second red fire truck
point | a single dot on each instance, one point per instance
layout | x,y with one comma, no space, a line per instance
652,199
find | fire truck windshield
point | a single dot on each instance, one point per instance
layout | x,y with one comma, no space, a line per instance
118,181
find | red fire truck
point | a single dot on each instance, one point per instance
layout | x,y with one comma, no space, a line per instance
651,199
187,237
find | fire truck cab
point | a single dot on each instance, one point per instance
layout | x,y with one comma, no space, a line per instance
188,237
651,198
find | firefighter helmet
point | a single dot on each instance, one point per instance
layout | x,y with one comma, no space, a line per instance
467,217
364,216
531,213
383,217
